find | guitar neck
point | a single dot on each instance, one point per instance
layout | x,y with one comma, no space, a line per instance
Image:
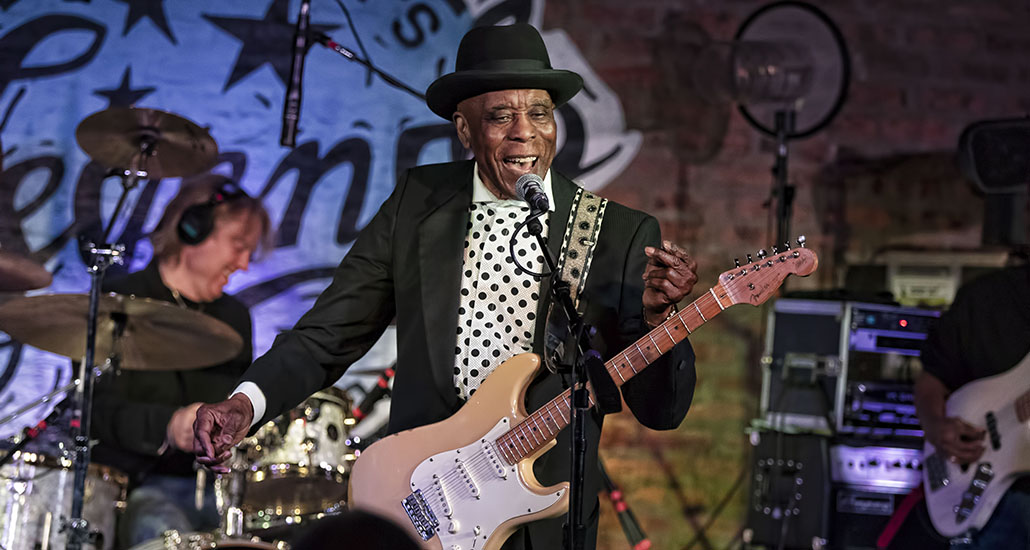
541,427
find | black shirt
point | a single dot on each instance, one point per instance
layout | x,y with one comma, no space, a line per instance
131,411
985,332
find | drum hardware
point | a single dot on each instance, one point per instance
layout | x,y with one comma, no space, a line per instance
18,274
145,334
129,140
293,470
174,540
146,143
36,497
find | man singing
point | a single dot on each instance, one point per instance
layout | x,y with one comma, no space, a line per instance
436,257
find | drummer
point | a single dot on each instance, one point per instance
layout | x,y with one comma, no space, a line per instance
143,419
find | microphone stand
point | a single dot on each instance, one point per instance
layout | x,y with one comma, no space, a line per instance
102,256
576,361
324,40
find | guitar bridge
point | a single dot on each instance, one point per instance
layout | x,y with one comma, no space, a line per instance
971,497
421,515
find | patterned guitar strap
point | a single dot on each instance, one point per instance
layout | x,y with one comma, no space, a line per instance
574,260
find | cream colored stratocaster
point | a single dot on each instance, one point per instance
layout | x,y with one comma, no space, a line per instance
961,497
467,482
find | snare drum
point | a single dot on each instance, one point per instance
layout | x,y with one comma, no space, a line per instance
299,463
36,502
174,540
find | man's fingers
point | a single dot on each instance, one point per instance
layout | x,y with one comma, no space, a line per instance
665,258
202,427
968,431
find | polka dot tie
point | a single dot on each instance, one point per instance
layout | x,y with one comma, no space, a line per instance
497,313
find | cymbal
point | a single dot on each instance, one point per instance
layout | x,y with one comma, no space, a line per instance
18,274
115,137
154,335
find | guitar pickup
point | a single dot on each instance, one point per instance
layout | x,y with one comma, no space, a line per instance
499,469
442,497
467,478
936,471
992,431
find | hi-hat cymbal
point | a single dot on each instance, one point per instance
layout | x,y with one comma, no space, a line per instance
146,334
18,274
115,137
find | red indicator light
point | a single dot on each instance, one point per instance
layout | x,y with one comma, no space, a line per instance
903,323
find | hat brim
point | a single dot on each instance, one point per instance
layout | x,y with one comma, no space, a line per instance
446,92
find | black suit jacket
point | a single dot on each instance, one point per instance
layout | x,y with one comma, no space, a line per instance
407,263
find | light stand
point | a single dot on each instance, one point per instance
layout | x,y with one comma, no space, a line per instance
783,191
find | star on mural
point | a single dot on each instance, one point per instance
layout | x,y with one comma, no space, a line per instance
266,40
124,95
154,9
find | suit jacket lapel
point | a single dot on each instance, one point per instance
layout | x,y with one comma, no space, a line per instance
564,191
442,235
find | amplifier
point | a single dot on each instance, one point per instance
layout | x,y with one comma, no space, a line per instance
842,366
884,469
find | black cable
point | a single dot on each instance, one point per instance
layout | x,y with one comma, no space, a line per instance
719,508
354,33
515,235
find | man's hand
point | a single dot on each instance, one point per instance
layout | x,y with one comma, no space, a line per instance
218,428
955,439
669,276
179,433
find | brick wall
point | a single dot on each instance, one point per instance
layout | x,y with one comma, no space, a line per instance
881,175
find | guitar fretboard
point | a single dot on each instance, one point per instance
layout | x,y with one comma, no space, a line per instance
543,425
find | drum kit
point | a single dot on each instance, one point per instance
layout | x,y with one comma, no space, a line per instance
293,470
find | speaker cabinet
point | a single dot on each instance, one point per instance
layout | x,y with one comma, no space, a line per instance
789,497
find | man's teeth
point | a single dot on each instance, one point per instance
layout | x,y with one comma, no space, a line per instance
520,160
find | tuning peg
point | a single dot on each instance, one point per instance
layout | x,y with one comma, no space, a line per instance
801,241
775,251
736,262
749,260
762,254
786,245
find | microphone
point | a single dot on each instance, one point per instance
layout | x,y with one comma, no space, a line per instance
529,187
291,107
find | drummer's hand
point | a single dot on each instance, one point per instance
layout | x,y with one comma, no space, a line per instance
179,433
218,428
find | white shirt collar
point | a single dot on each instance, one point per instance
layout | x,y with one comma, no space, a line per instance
481,194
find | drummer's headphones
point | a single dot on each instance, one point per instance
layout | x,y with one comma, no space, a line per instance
197,221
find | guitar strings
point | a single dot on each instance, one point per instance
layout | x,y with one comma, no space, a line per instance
480,463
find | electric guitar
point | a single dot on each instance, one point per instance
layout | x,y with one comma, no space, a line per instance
961,497
467,482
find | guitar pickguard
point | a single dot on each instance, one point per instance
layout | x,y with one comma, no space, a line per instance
471,492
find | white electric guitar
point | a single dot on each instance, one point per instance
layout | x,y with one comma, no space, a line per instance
961,497
467,482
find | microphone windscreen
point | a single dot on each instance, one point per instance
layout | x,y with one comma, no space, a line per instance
525,182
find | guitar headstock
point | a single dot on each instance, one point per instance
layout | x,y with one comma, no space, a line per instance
754,282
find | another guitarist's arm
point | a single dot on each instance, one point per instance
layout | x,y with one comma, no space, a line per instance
951,436
944,370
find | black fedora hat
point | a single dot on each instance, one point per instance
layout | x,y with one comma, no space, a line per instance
511,57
